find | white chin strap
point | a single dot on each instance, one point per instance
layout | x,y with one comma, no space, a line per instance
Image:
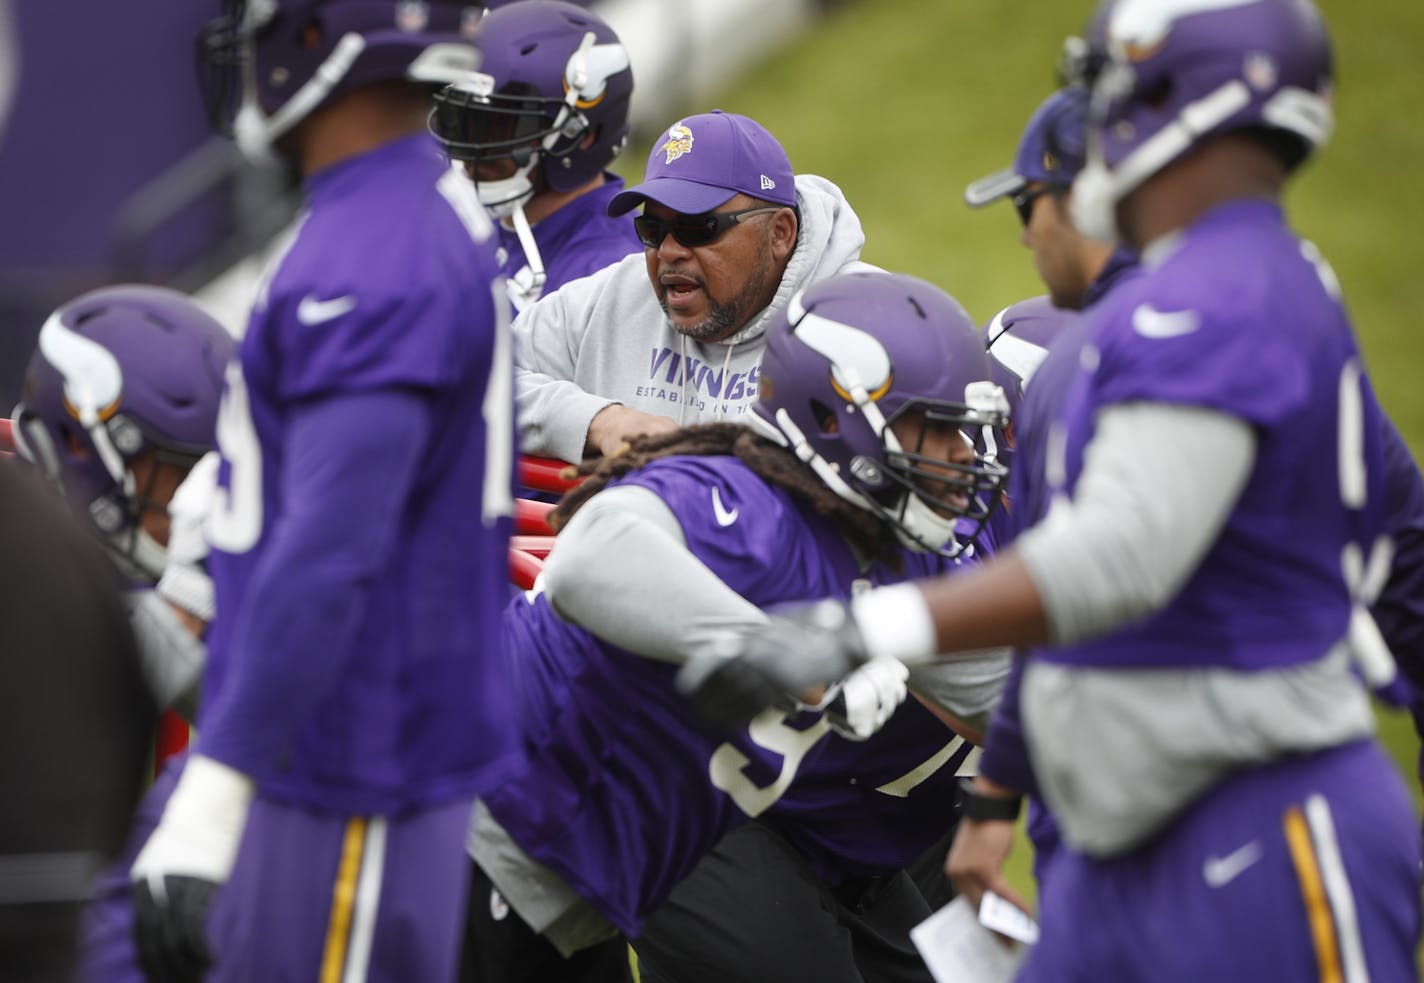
527,285
918,527
825,470
922,529
504,197
255,133
250,133
1093,206
1098,189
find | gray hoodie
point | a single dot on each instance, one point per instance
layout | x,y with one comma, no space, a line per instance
605,339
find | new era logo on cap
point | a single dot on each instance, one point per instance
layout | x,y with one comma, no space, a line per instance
767,183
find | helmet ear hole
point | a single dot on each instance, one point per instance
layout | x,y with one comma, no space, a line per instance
825,418
1159,94
310,36
72,443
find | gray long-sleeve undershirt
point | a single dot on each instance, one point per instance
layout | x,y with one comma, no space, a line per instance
1119,754
591,582
1158,483
627,603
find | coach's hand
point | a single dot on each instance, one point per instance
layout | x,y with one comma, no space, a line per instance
797,651
179,870
614,425
982,844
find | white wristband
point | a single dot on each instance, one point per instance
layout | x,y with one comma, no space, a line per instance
895,623
202,825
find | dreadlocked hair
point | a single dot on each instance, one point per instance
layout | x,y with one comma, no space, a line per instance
868,534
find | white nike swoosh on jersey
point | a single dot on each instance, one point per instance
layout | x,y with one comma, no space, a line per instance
1152,323
1221,871
313,311
724,517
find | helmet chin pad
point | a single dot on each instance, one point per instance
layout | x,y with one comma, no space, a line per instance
919,527
501,198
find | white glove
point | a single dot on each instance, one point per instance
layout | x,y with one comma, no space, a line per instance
867,698
185,581
201,826
186,858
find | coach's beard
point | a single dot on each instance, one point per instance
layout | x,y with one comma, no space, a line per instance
724,320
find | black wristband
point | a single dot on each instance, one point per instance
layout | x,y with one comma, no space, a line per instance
979,807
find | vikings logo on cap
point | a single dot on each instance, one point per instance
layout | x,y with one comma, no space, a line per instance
679,142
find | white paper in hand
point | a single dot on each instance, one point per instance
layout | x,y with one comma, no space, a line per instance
1002,916
958,949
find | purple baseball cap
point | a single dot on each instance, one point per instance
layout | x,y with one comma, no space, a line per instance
706,160
1051,151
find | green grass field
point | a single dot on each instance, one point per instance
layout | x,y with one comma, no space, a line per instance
903,102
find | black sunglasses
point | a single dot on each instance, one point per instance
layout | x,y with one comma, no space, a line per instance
693,230
1023,201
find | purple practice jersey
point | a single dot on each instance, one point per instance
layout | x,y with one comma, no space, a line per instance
389,288
578,239
1244,318
1028,489
1044,396
622,792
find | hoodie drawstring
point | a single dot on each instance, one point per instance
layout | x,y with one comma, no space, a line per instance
726,380
682,354
721,409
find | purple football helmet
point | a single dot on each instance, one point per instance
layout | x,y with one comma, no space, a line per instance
852,355
265,65
117,372
551,74
1017,339
1181,71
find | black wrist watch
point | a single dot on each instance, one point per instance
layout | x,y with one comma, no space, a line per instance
979,807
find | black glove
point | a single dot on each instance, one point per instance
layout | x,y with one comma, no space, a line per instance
800,648
170,916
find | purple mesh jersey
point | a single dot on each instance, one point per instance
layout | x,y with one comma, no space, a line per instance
1208,327
368,300
578,239
622,792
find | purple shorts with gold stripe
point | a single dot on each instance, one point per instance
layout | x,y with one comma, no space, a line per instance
343,900
1304,869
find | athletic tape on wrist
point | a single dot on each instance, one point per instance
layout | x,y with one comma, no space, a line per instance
895,623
